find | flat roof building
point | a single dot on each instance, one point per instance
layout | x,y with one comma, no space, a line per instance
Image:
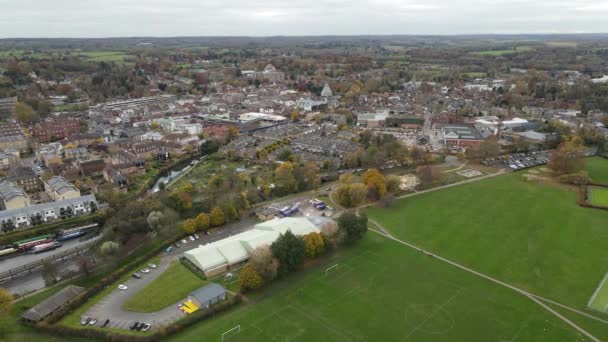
218,257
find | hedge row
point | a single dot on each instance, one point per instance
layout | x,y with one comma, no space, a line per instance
17,235
160,334
583,196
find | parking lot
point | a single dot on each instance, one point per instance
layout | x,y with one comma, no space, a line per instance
309,206
110,307
518,161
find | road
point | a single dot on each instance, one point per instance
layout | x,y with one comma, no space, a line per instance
24,259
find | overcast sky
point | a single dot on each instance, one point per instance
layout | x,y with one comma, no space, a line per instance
119,18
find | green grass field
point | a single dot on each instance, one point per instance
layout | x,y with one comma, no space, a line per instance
384,291
503,52
599,299
105,56
599,196
531,235
474,74
597,168
171,286
95,55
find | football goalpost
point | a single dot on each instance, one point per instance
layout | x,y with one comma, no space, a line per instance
331,268
229,333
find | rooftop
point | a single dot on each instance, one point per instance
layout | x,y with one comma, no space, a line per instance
51,304
60,185
9,191
236,248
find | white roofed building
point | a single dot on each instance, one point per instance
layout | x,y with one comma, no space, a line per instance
220,256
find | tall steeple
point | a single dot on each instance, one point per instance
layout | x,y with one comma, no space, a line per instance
326,92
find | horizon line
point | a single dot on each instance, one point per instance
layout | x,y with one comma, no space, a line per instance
318,35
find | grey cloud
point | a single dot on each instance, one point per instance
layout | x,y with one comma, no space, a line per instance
110,18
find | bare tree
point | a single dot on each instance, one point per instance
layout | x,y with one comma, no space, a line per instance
264,263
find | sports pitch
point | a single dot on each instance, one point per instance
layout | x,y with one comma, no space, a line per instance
531,235
598,196
597,167
599,299
384,291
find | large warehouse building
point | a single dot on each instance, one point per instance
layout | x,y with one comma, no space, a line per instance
217,257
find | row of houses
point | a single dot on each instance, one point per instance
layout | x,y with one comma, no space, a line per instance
47,212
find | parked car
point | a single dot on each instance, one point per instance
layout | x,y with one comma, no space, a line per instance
105,323
196,237
84,321
93,321
169,249
122,287
136,275
177,245
151,265
184,241
191,238
146,327
139,326
133,325
145,271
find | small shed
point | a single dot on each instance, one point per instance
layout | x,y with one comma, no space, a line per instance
208,295
43,309
267,213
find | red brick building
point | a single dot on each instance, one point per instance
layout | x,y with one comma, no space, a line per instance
55,130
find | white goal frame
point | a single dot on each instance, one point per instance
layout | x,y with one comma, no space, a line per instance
330,268
237,328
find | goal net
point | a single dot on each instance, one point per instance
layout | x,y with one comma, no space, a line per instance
229,333
330,269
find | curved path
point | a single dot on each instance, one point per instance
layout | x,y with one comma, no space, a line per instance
533,297
111,305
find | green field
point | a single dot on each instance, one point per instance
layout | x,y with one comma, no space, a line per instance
599,196
503,52
531,235
474,74
599,299
105,56
597,168
27,53
95,55
170,287
384,291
